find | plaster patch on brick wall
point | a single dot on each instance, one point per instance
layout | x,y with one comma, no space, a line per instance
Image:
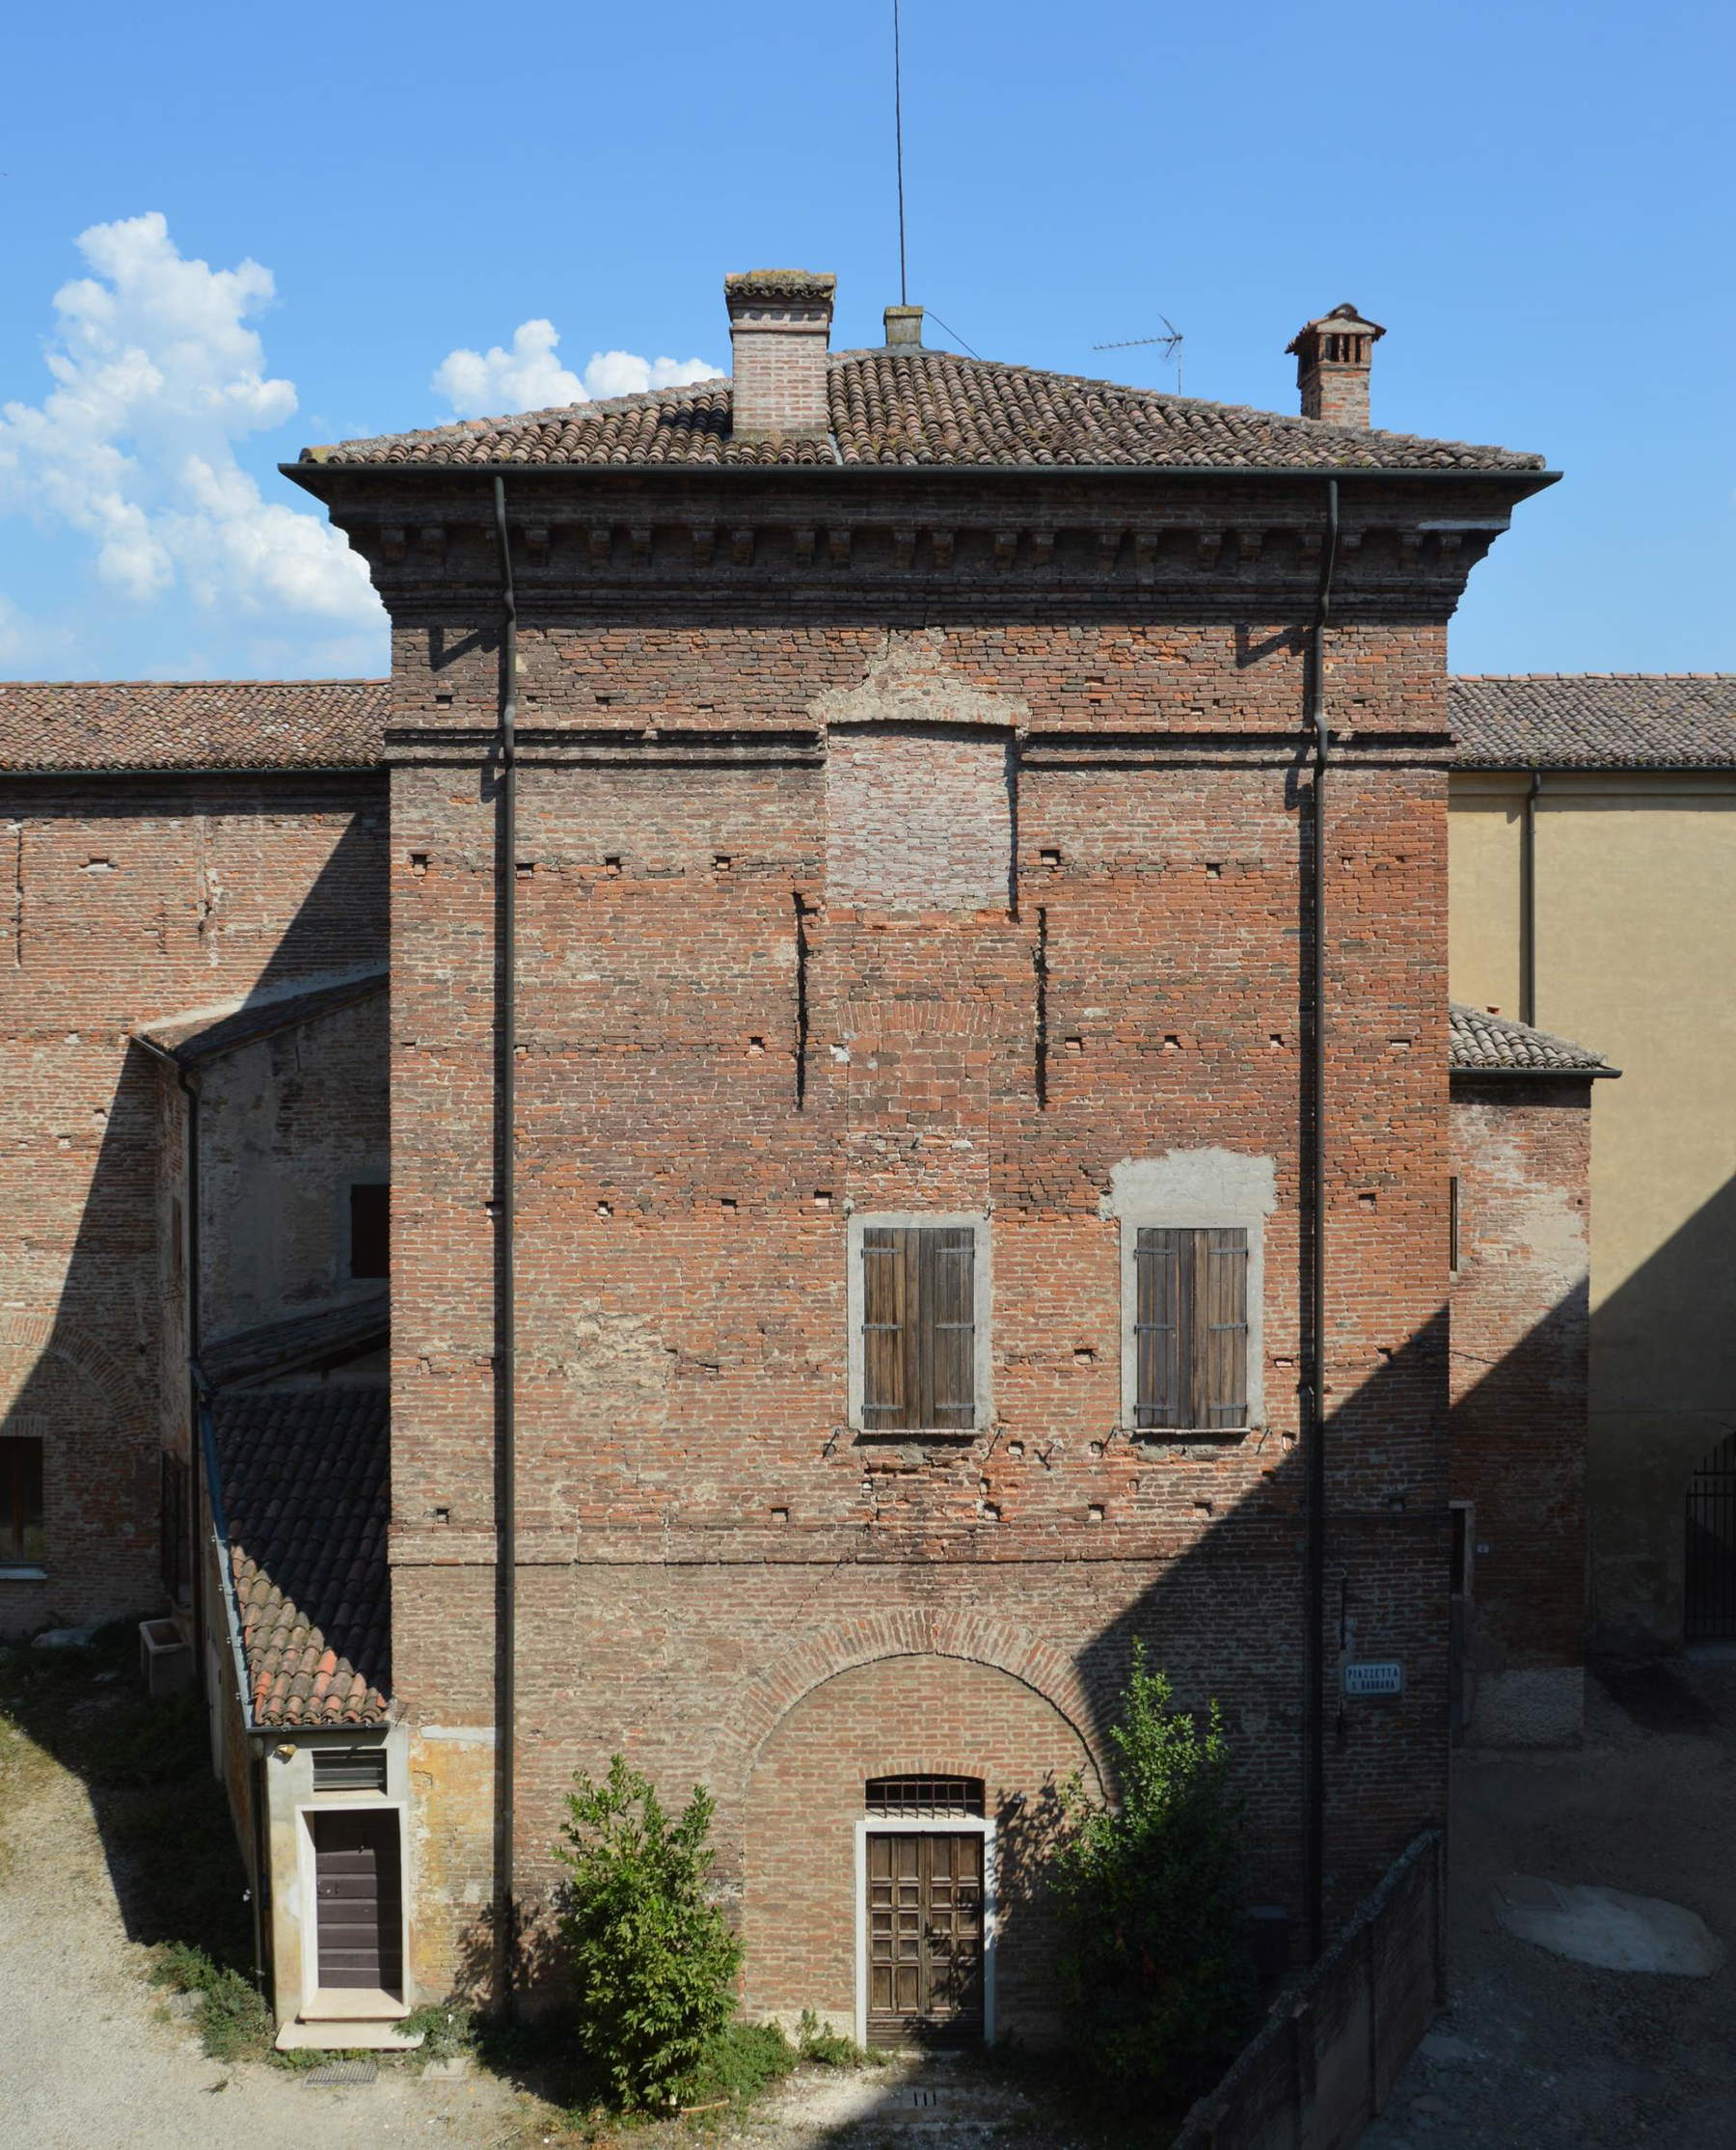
612,1357
911,683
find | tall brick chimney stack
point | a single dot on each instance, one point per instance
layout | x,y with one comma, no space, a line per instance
781,326
1334,357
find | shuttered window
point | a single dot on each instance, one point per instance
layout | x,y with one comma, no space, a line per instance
918,1328
22,1499
1190,1327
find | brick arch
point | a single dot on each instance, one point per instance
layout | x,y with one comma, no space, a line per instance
846,1645
26,1340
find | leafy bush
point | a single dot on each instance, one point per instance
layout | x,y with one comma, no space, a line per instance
447,2030
1154,1967
830,2049
739,2063
653,1962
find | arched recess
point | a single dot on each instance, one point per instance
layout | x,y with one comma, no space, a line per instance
802,1664
26,1340
947,1710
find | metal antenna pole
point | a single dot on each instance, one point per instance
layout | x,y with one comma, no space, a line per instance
904,288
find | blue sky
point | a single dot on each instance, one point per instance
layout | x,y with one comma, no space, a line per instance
1533,196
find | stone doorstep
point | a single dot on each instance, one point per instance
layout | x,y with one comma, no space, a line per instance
375,2033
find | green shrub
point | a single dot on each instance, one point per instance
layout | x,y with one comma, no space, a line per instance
653,1962
1153,1964
232,2020
830,2049
739,2063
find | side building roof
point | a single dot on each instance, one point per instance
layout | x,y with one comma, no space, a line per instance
1595,719
1482,1044
306,1495
191,724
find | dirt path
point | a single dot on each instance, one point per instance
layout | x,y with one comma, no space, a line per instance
87,2064
1553,2056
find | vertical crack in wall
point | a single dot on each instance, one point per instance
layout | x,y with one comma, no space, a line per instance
801,1001
17,933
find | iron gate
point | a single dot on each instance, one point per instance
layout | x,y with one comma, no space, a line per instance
1709,1596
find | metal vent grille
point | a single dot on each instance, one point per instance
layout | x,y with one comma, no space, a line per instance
349,1769
924,1797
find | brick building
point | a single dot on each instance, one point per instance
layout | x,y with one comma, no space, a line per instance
920,1152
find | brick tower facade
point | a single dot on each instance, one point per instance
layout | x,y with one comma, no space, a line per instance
910,956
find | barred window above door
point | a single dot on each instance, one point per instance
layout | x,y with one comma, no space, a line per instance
1190,1327
918,1303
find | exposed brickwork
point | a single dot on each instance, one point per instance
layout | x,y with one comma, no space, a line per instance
132,899
1520,1315
718,1059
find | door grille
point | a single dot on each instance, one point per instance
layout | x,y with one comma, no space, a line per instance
1709,1595
926,1798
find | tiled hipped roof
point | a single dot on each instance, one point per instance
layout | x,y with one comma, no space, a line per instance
1596,720
1482,1044
213,723
306,1486
922,408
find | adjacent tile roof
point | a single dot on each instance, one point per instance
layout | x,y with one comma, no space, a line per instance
213,723
329,1337
922,407
305,1486
203,1034
1482,1044
1596,720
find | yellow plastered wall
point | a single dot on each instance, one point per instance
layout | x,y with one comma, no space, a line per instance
1635,957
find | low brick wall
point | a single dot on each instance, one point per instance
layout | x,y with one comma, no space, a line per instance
1325,2061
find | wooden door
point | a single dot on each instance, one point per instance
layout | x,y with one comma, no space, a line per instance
925,1937
359,1905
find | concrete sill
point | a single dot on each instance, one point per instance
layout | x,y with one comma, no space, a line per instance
353,2004
23,1574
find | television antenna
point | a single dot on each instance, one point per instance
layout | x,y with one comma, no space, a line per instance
1172,343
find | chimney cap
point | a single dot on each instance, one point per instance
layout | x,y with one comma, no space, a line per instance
1341,318
904,324
798,286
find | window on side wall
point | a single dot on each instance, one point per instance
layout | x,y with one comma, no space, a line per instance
1191,1328
21,1539
918,1308
370,1230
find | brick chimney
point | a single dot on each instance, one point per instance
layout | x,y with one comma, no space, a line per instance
781,326
1334,357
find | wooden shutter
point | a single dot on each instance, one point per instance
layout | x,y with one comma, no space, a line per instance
888,1390
918,1328
1190,1327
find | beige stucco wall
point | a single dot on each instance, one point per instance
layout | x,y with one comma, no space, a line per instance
1636,957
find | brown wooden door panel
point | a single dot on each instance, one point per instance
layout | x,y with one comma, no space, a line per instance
358,1890
925,1936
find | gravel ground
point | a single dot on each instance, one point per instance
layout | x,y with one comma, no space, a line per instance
1556,2055
87,2061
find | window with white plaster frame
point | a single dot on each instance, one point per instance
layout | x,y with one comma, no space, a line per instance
856,1296
1192,1191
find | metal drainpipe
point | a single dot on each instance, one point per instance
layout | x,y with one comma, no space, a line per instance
505,1331
1528,901
194,1556
1314,1701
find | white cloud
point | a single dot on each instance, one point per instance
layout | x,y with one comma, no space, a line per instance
156,377
527,376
